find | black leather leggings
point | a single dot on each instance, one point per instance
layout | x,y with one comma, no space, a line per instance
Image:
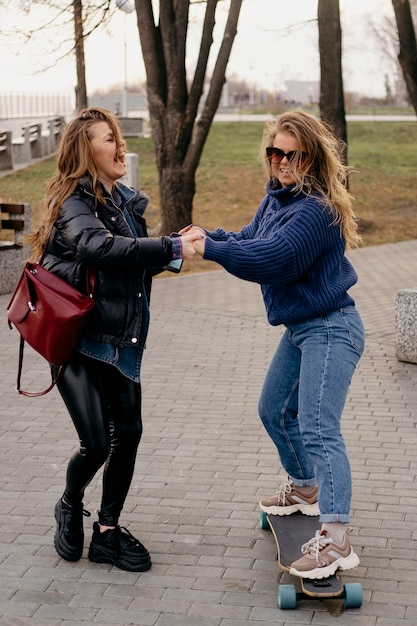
105,407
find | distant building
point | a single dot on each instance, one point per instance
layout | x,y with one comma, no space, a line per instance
302,92
113,102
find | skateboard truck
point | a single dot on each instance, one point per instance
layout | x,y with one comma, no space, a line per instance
322,582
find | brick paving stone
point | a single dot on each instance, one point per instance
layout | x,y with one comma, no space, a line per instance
204,463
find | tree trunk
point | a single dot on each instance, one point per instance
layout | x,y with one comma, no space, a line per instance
408,48
332,107
176,191
80,89
174,101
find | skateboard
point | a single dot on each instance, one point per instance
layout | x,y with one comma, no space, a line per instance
290,533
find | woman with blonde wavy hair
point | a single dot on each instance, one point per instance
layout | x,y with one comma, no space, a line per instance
322,172
294,247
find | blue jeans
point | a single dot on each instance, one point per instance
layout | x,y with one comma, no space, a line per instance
302,401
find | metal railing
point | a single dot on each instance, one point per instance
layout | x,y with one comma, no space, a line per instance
18,105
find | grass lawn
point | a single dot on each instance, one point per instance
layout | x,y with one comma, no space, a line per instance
230,183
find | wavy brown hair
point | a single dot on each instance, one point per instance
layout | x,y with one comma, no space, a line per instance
322,172
75,161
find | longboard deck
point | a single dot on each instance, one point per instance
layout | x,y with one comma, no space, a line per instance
290,533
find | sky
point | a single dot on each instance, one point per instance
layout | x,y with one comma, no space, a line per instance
276,41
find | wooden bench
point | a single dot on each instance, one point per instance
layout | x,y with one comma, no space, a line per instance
6,153
14,225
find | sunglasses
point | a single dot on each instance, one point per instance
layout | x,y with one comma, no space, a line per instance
277,154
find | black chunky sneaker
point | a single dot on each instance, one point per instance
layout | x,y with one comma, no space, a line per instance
69,535
120,548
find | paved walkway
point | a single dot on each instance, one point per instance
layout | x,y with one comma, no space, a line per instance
203,464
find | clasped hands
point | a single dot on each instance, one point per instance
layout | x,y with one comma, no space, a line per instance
193,240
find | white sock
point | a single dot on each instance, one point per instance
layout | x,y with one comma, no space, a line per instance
335,531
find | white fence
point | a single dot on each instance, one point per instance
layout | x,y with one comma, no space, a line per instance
18,105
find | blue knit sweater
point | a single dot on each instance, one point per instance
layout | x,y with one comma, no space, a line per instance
293,249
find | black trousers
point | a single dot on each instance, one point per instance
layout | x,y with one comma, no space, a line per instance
105,407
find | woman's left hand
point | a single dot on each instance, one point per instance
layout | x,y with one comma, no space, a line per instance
188,243
190,229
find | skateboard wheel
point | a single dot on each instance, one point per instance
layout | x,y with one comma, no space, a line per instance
353,595
263,520
287,597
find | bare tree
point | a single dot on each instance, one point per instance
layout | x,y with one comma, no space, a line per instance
332,106
384,33
408,47
86,16
81,87
174,100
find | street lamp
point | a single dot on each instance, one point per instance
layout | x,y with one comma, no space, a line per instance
127,6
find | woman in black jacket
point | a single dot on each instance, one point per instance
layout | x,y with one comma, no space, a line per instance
95,221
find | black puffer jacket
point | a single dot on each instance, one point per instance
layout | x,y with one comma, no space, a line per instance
90,233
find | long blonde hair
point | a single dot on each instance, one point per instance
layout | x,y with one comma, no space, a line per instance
75,161
322,171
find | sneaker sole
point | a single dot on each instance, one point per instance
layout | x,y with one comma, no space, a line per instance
348,562
121,563
67,556
306,509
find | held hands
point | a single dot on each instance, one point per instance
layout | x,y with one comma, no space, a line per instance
198,240
192,242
